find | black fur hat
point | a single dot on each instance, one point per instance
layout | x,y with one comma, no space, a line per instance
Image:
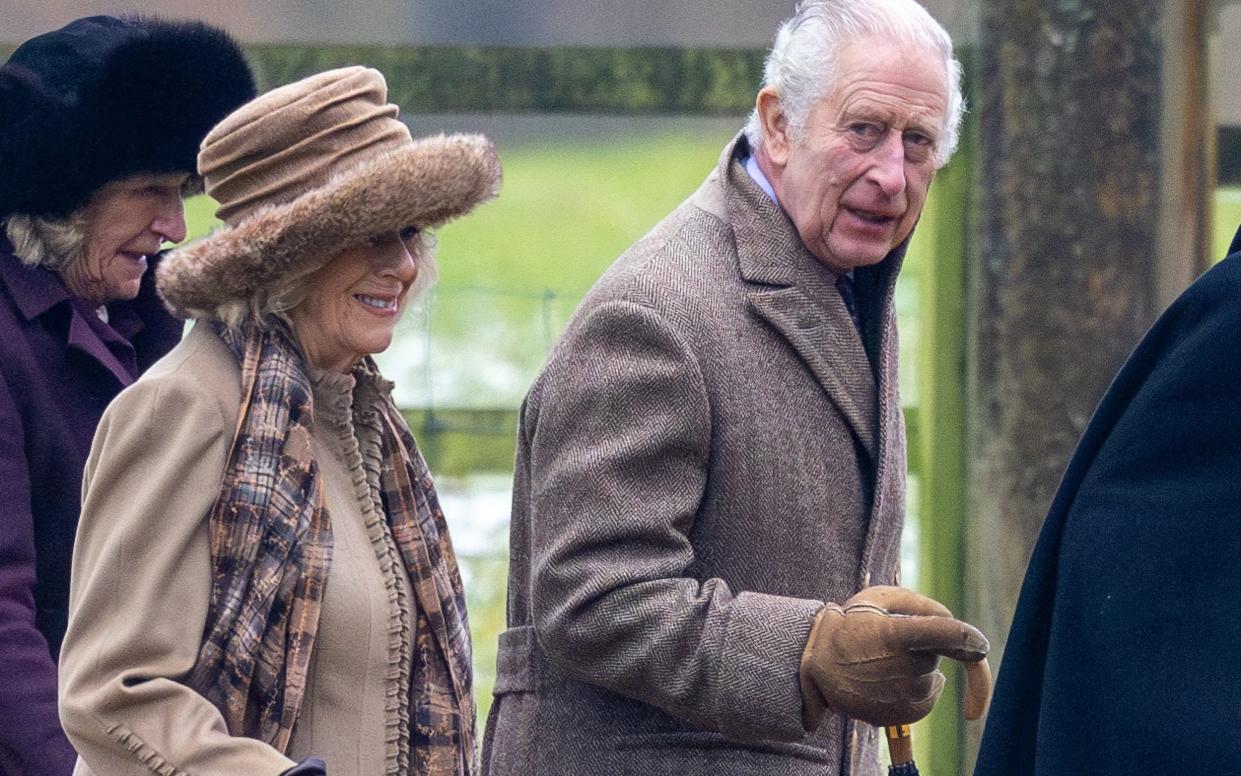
103,98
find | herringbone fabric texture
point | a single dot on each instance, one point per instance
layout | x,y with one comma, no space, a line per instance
707,456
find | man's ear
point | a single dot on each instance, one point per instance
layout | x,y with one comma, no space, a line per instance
775,126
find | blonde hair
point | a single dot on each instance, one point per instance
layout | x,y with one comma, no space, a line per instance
278,299
50,243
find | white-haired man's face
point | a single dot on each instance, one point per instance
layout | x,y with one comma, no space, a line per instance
855,182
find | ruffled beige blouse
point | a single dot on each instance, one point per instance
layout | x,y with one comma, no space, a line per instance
368,600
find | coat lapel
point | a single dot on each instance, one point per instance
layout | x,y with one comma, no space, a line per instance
831,349
84,338
39,292
795,295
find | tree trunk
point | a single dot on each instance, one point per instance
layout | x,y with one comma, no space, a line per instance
1092,191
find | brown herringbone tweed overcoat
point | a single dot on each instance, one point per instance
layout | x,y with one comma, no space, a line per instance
707,456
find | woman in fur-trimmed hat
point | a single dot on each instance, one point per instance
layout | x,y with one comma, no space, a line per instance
264,580
100,123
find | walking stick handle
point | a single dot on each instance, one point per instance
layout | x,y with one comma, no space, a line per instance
977,688
977,694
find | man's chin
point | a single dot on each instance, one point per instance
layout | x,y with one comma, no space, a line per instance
852,257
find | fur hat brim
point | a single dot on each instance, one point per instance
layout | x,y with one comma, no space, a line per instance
425,184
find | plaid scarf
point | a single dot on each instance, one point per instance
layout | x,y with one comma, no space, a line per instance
271,546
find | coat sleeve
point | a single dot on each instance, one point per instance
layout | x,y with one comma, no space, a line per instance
141,587
30,731
619,452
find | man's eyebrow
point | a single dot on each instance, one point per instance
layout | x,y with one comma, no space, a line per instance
884,116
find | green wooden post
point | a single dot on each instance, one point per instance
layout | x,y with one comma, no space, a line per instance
938,740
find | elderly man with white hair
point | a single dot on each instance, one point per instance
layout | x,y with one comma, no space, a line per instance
710,476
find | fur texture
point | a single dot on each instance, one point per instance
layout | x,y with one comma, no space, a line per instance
33,136
102,99
434,180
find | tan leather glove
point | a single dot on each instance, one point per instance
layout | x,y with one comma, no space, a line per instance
875,658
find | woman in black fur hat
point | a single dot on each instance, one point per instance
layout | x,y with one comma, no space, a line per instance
100,123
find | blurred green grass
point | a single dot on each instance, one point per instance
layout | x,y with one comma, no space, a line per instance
564,213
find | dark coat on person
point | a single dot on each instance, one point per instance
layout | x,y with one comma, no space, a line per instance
707,457
1122,656
60,365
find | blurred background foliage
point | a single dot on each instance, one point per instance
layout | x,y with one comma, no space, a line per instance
582,80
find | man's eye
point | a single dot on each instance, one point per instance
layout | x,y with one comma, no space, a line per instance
918,146
866,131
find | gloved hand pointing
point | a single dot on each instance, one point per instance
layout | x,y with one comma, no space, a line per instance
875,658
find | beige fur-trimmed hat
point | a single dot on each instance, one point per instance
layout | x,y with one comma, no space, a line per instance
310,169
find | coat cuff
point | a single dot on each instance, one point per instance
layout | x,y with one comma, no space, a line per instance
759,678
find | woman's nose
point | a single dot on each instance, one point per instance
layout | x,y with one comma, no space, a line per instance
170,221
398,260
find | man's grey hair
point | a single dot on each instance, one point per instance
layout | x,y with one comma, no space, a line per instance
280,298
51,243
802,61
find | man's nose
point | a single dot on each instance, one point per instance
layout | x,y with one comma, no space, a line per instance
888,168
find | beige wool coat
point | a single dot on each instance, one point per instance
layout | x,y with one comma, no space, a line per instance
142,581
707,457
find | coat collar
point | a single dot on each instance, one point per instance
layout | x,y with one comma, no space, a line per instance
769,249
101,342
36,292
796,294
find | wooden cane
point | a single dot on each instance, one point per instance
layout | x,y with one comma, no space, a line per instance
900,745
900,739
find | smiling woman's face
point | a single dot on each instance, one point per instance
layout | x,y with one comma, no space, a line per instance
355,300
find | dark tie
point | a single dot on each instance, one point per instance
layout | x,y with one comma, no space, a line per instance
844,284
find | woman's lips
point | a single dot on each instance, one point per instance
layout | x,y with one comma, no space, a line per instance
382,305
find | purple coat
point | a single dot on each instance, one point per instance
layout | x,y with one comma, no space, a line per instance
60,365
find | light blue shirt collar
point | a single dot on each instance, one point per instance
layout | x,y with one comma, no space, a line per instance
756,172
